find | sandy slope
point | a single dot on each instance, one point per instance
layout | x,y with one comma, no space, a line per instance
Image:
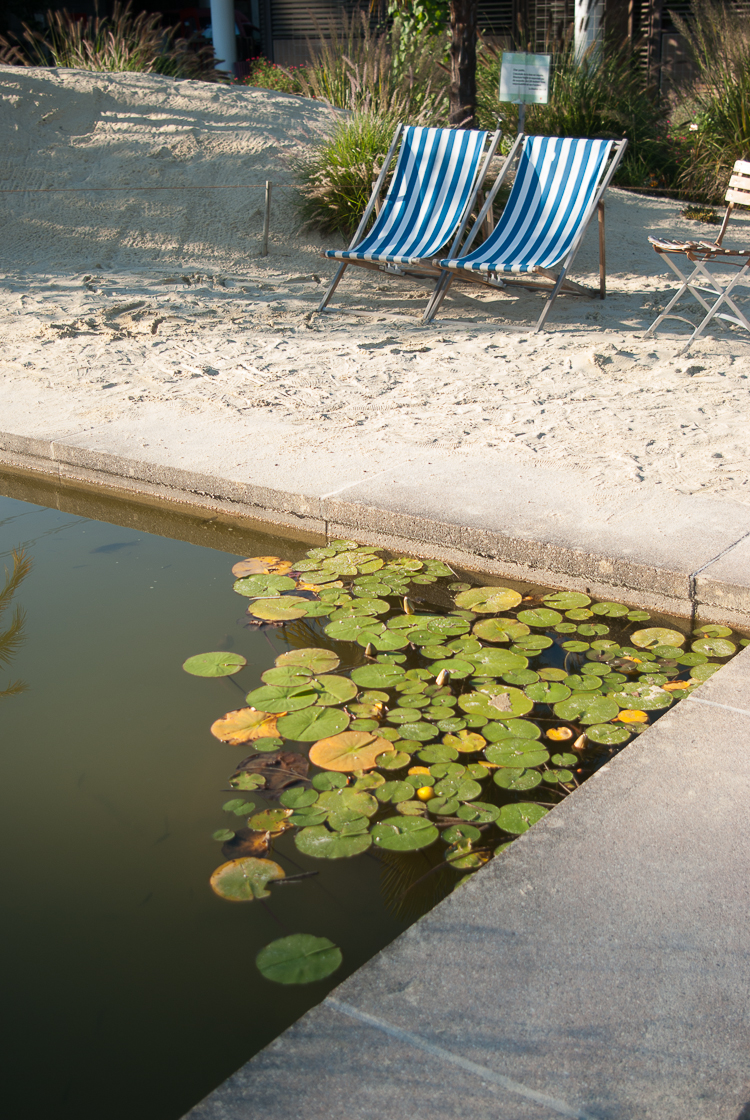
121,299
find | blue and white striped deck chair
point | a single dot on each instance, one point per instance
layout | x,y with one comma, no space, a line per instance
434,186
557,190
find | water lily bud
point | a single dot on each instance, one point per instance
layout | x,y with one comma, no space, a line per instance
408,606
442,678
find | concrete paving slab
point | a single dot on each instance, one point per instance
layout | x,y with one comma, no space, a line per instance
603,960
721,584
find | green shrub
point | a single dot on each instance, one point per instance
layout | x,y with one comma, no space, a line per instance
604,94
267,75
123,43
719,100
336,183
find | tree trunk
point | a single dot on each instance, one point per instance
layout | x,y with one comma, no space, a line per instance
463,91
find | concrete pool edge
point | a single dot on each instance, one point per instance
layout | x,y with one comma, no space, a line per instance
599,969
703,572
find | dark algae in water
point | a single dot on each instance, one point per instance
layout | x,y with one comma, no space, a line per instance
423,721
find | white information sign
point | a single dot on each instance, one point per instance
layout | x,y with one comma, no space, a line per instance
524,78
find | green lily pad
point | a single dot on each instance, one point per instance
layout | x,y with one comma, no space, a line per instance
714,647
362,630
610,610
551,674
321,843
703,672
592,629
287,676
458,832
643,695
511,729
566,600
545,692
657,636
478,812
691,659
214,664
516,778
395,792
258,586
299,959
330,780
274,698
242,880
358,801
712,631
222,835
378,676
348,822
465,742
488,600
282,609
393,760
610,734
565,758
583,682
495,662
404,834
515,756
587,707
499,629
497,702
314,723
520,678
457,667
541,617
463,789
268,820
552,777
436,753
315,660
520,817
575,646
421,731
404,715
298,798
532,645
332,689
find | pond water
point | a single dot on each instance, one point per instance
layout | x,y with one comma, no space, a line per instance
130,987
480,707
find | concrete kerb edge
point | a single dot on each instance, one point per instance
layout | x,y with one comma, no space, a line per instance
680,593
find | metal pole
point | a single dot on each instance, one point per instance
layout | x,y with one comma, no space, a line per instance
266,221
222,30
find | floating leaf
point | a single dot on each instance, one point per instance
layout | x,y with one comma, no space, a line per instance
393,760
439,752
714,647
559,734
238,806
479,812
547,692
244,725
495,701
463,789
610,610
520,817
282,609
242,880
222,835
256,565
287,676
610,734
254,587
214,664
643,695
331,689
465,742
488,600
516,778
363,630
348,751
275,698
315,660
495,662
499,629
299,959
404,715
319,842
407,834
298,798
566,600
583,682
541,617
348,822
630,715
657,636
564,760
712,631
458,832
587,707
703,672
511,729
329,781
358,801
516,755
395,792
554,776
248,781
313,723
269,820
378,676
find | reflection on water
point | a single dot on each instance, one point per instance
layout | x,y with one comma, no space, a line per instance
12,637
130,987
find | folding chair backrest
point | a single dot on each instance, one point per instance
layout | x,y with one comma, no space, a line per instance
739,184
552,195
429,191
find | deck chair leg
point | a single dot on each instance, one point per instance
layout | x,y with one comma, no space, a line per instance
602,254
332,286
724,297
549,301
441,290
686,283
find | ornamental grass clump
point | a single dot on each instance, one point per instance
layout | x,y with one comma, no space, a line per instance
603,95
124,42
718,38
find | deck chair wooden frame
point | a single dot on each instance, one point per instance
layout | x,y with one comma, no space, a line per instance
566,200
425,209
701,280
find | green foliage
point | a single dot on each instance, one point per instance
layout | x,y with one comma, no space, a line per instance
604,94
267,75
718,38
123,42
12,637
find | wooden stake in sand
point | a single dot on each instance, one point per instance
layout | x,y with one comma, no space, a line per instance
266,221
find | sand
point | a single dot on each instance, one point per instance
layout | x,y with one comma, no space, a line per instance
116,301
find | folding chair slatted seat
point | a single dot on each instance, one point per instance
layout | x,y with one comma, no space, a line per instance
558,188
701,280
434,186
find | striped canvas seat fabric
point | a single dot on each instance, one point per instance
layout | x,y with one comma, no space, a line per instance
556,180
431,186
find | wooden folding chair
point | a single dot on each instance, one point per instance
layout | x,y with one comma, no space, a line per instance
702,253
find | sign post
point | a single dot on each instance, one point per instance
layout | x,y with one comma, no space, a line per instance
524,80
